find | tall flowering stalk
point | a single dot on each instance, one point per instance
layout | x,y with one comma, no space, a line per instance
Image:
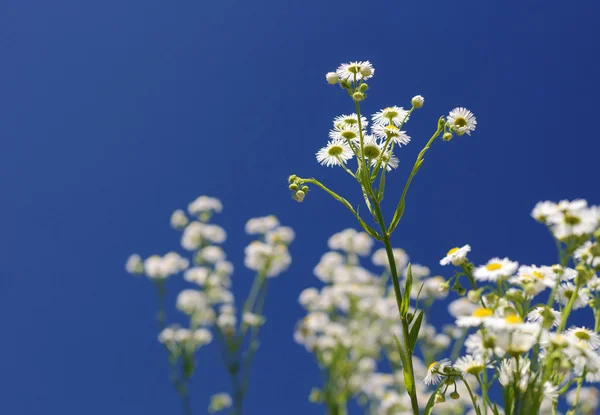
374,158
210,304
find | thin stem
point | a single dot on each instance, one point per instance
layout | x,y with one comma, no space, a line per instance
568,308
477,410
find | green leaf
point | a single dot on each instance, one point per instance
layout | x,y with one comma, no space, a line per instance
431,401
367,228
407,289
414,331
408,380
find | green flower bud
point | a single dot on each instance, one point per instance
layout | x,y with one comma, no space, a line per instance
461,291
292,178
474,296
299,196
439,398
455,395
447,136
305,189
345,84
293,187
316,396
332,78
363,87
358,96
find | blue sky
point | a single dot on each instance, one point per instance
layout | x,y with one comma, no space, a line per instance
115,113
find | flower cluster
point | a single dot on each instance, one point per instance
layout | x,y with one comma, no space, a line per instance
348,328
208,301
511,325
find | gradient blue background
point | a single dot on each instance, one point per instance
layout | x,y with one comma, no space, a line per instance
114,113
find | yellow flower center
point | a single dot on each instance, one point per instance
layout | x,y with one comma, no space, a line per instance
392,128
514,319
475,369
582,335
482,312
453,250
494,266
572,220
335,151
431,366
460,122
348,135
538,275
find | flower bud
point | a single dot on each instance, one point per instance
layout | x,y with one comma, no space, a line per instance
365,71
292,178
293,187
363,87
461,291
417,101
439,398
444,287
315,396
305,189
345,84
299,196
454,395
332,78
447,136
358,96
474,296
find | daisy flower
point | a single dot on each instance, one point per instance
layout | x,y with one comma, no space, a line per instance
388,160
435,371
589,252
544,210
472,365
456,256
390,115
351,119
462,121
344,131
477,317
461,307
335,153
541,315
356,70
385,131
508,369
567,290
495,268
585,336
371,147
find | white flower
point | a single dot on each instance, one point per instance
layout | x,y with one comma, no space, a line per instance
350,120
356,70
584,336
261,225
390,130
191,301
542,314
280,235
586,253
390,115
508,369
197,233
271,259
388,160
351,241
252,320
456,256
417,101
544,210
134,265
197,275
219,401
335,153
332,78
461,307
462,121
534,279
157,267
205,204
435,372
495,268
477,317
371,147
588,399
471,365
567,290
178,219
212,254
316,321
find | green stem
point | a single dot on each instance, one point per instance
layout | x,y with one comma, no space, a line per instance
568,309
477,410
400,208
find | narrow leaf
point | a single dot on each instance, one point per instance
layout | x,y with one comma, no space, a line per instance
431,401
407,290
414,331
408,380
